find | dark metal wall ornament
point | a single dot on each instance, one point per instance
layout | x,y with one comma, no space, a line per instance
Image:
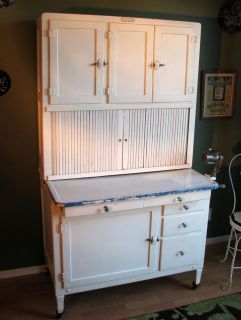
6,3
229,17
5,82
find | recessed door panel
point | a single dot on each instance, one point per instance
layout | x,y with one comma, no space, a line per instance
180,251
130,63
76,62
174,64
107,247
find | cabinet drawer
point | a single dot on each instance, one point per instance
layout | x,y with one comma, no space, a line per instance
183,223
180,251
103,208
184,207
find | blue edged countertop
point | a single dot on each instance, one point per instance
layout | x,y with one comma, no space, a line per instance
76,192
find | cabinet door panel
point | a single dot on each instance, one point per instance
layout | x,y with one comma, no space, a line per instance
130,63
75,49
174,57
155,137
107,247
180,251
86,141
166,132
134,139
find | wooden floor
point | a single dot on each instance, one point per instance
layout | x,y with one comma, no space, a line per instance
32,297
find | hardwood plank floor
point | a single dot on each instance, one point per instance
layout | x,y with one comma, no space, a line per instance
32,297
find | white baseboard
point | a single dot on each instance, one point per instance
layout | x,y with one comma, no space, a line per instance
217,239
21,272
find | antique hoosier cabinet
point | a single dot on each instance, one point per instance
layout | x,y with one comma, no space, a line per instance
117,99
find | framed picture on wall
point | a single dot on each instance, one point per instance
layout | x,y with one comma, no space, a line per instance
217,95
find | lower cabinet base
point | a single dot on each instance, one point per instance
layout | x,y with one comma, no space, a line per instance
60,294
92,250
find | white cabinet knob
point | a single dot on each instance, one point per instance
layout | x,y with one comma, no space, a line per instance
183,225
106,209
180,253
179,199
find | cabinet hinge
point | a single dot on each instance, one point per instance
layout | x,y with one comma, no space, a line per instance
61,276
50,33
194,39
51,91
60,228
108,35
108,91
191,90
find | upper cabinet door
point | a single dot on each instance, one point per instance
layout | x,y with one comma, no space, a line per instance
174,64
130,63
76,62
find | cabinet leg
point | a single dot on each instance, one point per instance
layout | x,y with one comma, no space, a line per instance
197,281
60,306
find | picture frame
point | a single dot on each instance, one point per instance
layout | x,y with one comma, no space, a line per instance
217,95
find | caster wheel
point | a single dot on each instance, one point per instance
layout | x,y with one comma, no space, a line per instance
195,286
58,315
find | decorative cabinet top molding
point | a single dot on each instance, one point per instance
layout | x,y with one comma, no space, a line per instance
46,16
106,60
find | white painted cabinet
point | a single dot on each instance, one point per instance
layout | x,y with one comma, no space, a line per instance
174,64
99,248
130,57
90,61
76,61
117,96
87,143
106,231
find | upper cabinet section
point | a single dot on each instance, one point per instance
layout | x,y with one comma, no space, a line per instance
76,62
112,60
174,58
130,63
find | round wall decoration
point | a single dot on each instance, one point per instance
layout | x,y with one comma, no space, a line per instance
5,82
6,3
229,17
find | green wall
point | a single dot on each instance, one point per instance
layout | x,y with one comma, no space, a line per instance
20,219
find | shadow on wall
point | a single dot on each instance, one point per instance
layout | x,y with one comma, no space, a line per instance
222,199
237,148
20,225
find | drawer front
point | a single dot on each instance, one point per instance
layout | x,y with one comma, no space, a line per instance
180,251
103,208
183,223
171,205
185,207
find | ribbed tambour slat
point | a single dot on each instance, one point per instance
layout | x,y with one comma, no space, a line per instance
166,133
99,141
84,141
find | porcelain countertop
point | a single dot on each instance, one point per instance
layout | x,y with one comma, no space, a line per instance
75,192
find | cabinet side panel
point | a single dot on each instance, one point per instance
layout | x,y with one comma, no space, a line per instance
47,227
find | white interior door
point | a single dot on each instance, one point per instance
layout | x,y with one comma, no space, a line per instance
107,247
76,62
130,63
174,64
